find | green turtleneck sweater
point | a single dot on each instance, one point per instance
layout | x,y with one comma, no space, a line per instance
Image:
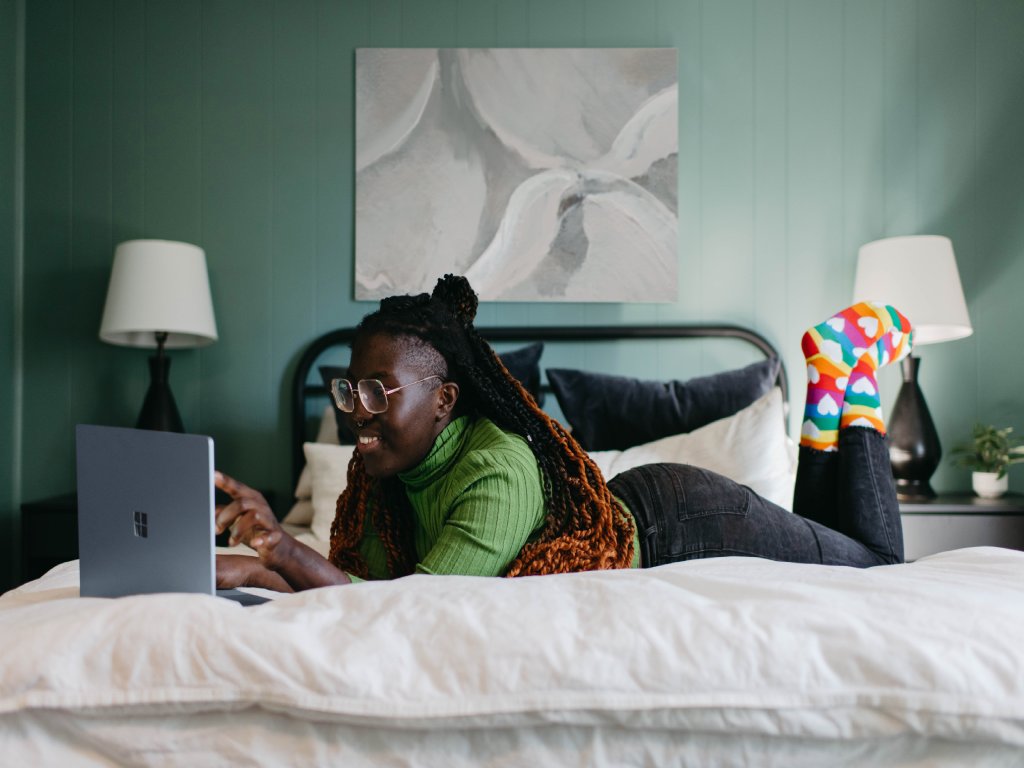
477,499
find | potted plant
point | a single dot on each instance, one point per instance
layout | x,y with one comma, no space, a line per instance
989,453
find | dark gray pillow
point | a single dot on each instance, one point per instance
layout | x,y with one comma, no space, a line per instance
524,365
617,412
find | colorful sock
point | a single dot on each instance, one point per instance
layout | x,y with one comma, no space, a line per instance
862,407
832,350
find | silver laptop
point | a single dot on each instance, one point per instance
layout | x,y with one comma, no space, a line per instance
146,513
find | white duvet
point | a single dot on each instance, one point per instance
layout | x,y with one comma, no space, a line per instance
731,661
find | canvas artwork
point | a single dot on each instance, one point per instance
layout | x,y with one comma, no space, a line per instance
540,174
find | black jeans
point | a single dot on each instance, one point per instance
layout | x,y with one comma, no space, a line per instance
844,510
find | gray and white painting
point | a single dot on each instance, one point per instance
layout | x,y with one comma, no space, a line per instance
540,174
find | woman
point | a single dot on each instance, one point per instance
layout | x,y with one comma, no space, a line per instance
458,471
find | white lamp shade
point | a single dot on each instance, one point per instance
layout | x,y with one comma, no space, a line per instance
917,275
158,286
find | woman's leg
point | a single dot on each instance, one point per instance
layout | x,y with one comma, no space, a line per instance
851,491
848,486
816,491
845,505
868,509
685,513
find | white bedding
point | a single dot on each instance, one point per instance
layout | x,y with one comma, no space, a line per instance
731,661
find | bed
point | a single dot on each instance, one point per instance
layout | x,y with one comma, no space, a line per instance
731,661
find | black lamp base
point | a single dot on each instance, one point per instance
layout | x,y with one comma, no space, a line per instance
914,447
914,490
159,411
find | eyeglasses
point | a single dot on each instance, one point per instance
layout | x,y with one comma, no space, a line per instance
372,393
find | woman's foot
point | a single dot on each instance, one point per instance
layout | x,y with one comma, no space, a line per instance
862,407
834,351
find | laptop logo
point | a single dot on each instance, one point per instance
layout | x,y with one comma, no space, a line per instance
141,525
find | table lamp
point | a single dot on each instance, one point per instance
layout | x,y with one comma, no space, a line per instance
159,296
916,274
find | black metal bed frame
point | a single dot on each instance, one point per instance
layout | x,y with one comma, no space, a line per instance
302,389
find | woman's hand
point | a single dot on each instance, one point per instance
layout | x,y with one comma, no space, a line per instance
251,521
236,570
247,571
283,562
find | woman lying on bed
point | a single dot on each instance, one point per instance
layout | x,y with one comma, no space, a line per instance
457,471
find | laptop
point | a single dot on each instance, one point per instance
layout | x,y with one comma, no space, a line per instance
146,513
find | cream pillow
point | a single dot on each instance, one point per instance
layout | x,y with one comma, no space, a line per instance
301,512
328,468
328,430
750,447
328,434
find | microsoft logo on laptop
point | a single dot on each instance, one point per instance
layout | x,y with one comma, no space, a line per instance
141,527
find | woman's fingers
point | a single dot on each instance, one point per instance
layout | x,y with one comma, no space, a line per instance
249,517
234,488
264,541
250,521
250,532
226,515
244,501
229,515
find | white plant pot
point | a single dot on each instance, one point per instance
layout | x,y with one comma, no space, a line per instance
989,485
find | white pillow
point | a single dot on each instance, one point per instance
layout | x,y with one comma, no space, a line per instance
751,447
301,512
328,430
328,468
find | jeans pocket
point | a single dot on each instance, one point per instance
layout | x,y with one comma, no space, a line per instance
707,494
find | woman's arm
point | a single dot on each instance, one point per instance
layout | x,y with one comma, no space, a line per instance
282,559
247,571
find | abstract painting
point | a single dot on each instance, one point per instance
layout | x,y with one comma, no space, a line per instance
542,174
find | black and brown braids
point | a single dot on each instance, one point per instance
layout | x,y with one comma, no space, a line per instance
586,528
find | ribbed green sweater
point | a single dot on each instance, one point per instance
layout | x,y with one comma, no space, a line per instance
477,499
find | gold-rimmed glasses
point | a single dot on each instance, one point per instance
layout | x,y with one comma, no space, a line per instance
372,393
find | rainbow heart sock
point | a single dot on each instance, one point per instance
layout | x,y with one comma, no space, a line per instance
833,349
862,407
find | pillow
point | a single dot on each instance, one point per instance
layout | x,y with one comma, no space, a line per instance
301,512
618,412
327,432
328,468
524,365
751,447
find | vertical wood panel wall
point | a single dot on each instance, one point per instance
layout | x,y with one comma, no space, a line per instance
11,15
807,127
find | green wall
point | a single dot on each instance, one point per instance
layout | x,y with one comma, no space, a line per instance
807,127
11,80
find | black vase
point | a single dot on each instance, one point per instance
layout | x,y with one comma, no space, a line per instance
914,447
159,411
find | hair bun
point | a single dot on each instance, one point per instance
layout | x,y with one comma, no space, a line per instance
402,303
458,297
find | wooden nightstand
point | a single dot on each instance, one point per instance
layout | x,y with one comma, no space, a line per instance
957,520
49,532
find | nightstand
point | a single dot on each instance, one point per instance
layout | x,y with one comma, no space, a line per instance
49,532
957,520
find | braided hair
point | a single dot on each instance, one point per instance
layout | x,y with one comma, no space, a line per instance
585,527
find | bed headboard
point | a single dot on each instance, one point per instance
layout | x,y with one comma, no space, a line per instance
303,390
